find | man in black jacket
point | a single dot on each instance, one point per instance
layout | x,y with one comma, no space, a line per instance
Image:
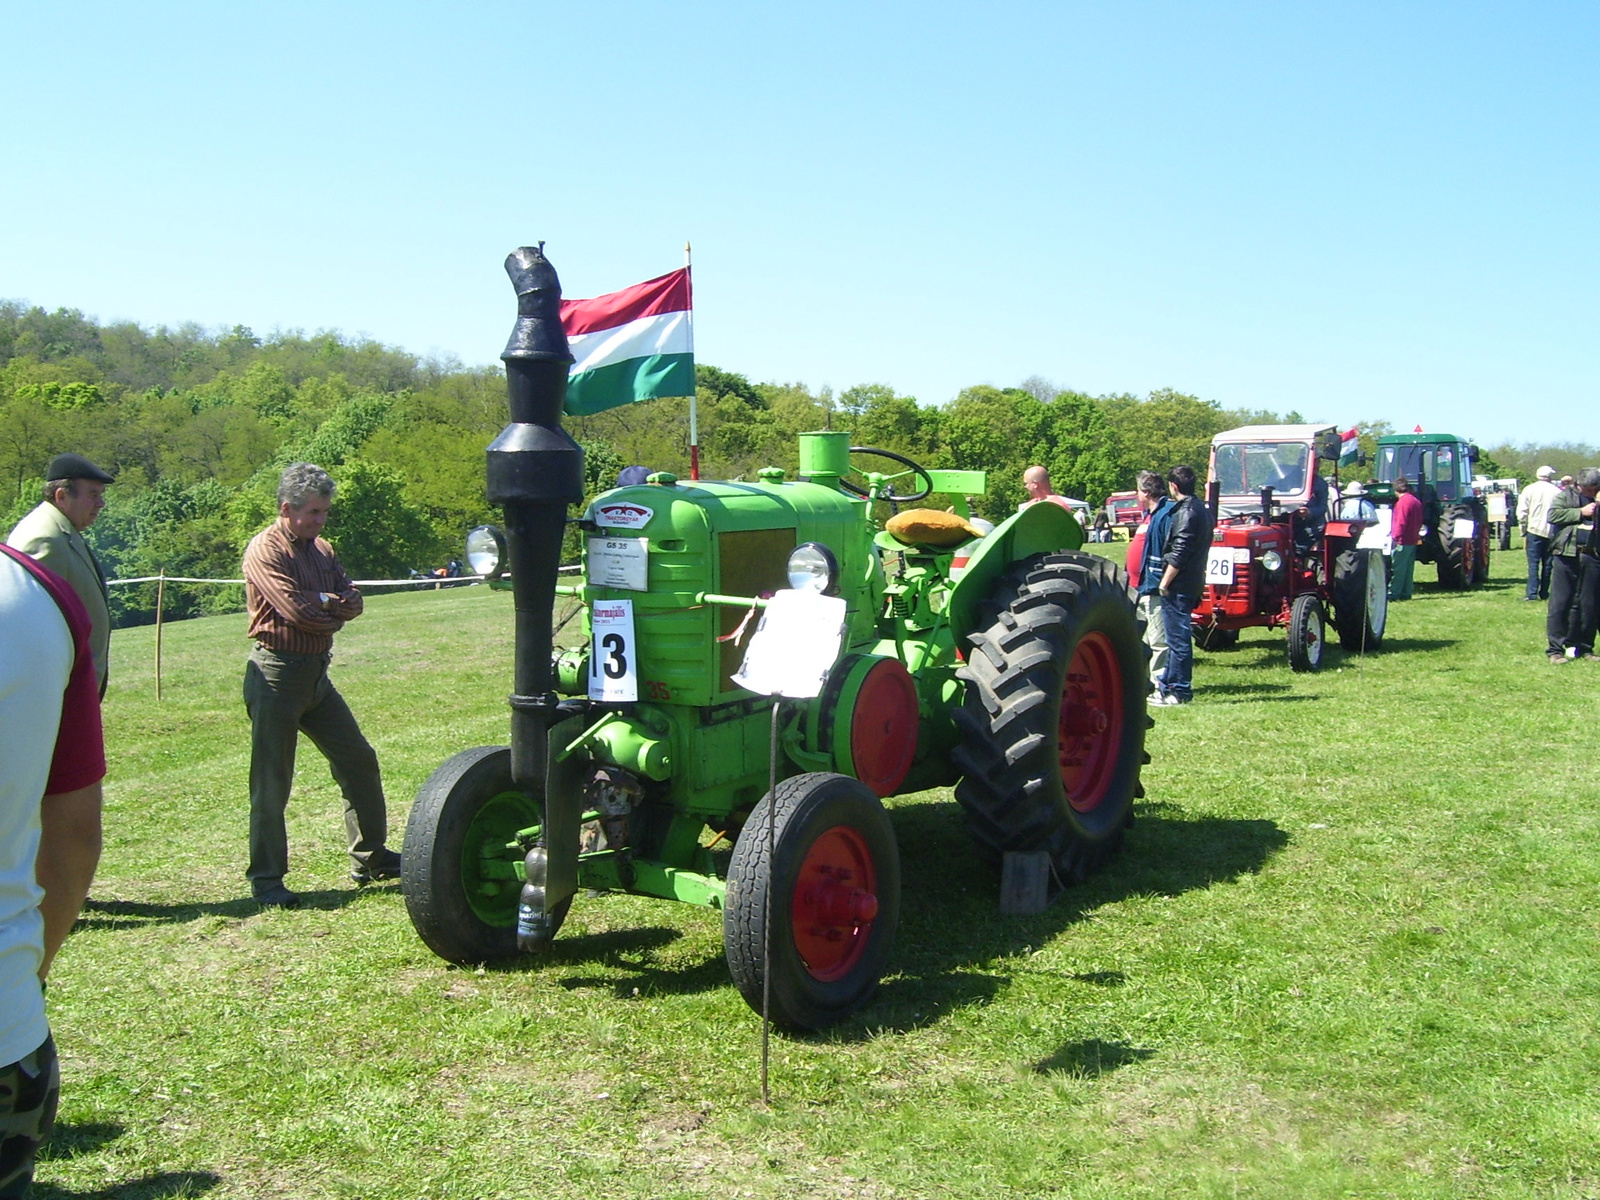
1575,571
1183,578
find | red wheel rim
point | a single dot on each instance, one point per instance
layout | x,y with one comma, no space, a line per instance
883,727
1089,730
835,902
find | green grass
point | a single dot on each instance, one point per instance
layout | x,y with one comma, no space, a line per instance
1350,950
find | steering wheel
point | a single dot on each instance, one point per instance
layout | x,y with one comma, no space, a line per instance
878,485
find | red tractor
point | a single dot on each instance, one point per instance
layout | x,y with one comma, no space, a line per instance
1276,560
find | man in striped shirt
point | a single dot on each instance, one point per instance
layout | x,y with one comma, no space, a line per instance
298,597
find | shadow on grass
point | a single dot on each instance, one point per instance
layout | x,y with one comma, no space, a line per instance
69,1141
1090,1058
1392,645
164,1183
134,914
953,944
630,951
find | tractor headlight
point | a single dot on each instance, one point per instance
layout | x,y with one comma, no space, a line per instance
486,550
813,568
1272,560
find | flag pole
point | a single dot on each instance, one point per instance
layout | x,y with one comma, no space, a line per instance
694,416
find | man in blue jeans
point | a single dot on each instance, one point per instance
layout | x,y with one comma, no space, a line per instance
1184,546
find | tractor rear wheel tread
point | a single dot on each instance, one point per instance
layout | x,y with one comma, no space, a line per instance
1360,602
1012,790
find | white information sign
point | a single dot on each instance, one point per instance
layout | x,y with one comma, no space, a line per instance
1463,529
1219,565
619,562
613,653
1497,506
1375,537
795,646
1379,536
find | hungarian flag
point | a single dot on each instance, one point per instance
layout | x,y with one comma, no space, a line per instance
1349,447
636,344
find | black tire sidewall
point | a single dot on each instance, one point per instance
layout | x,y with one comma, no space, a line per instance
807,806
435,840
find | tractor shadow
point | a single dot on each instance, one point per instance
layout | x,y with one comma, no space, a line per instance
953,941
635,964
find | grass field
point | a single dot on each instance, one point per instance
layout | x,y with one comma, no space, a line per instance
1350,950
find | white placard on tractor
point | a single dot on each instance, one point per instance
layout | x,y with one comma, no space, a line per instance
795,646
1219,565
1464,529
613,652
618,562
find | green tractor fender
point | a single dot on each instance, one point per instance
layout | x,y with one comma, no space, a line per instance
1037,529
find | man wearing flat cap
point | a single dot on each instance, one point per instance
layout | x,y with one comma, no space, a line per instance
74,494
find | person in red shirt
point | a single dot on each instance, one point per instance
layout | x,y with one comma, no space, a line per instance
1406,532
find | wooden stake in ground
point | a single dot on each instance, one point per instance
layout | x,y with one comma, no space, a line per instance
161,595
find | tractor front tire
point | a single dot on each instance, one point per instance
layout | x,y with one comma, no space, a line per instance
1053,721
1360,599
1307,632
833,875
461,899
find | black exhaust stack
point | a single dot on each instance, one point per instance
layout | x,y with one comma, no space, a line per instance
535,471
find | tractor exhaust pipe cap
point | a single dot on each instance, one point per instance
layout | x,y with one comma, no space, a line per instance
538,333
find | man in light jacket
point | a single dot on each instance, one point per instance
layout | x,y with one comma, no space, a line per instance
74,494
1533,514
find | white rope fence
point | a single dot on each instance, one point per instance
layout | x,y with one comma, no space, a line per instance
419,582
414,581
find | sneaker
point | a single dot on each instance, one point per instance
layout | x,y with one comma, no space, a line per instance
380,865
278,896
1162,700
1556,657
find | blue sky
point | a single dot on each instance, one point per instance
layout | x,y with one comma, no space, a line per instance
1357,211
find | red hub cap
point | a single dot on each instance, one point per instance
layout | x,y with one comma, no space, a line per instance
835,903
1089,731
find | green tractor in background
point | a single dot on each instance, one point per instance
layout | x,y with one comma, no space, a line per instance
1007,664
1455,514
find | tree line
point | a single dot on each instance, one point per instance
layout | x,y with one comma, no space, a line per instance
197,424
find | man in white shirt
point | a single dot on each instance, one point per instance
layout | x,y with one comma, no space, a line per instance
1533,514
50,772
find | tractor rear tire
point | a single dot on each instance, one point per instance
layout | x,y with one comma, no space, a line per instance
1360,599
464,816
1307,632
833,872
1453,555
1053,722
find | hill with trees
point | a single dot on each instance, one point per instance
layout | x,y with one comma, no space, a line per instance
196,424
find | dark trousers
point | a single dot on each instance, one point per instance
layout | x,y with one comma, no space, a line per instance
29,1091
1538,549
1177,614
1574,604
290,694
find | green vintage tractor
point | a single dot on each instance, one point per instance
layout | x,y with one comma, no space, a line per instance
1008,664
1455,513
